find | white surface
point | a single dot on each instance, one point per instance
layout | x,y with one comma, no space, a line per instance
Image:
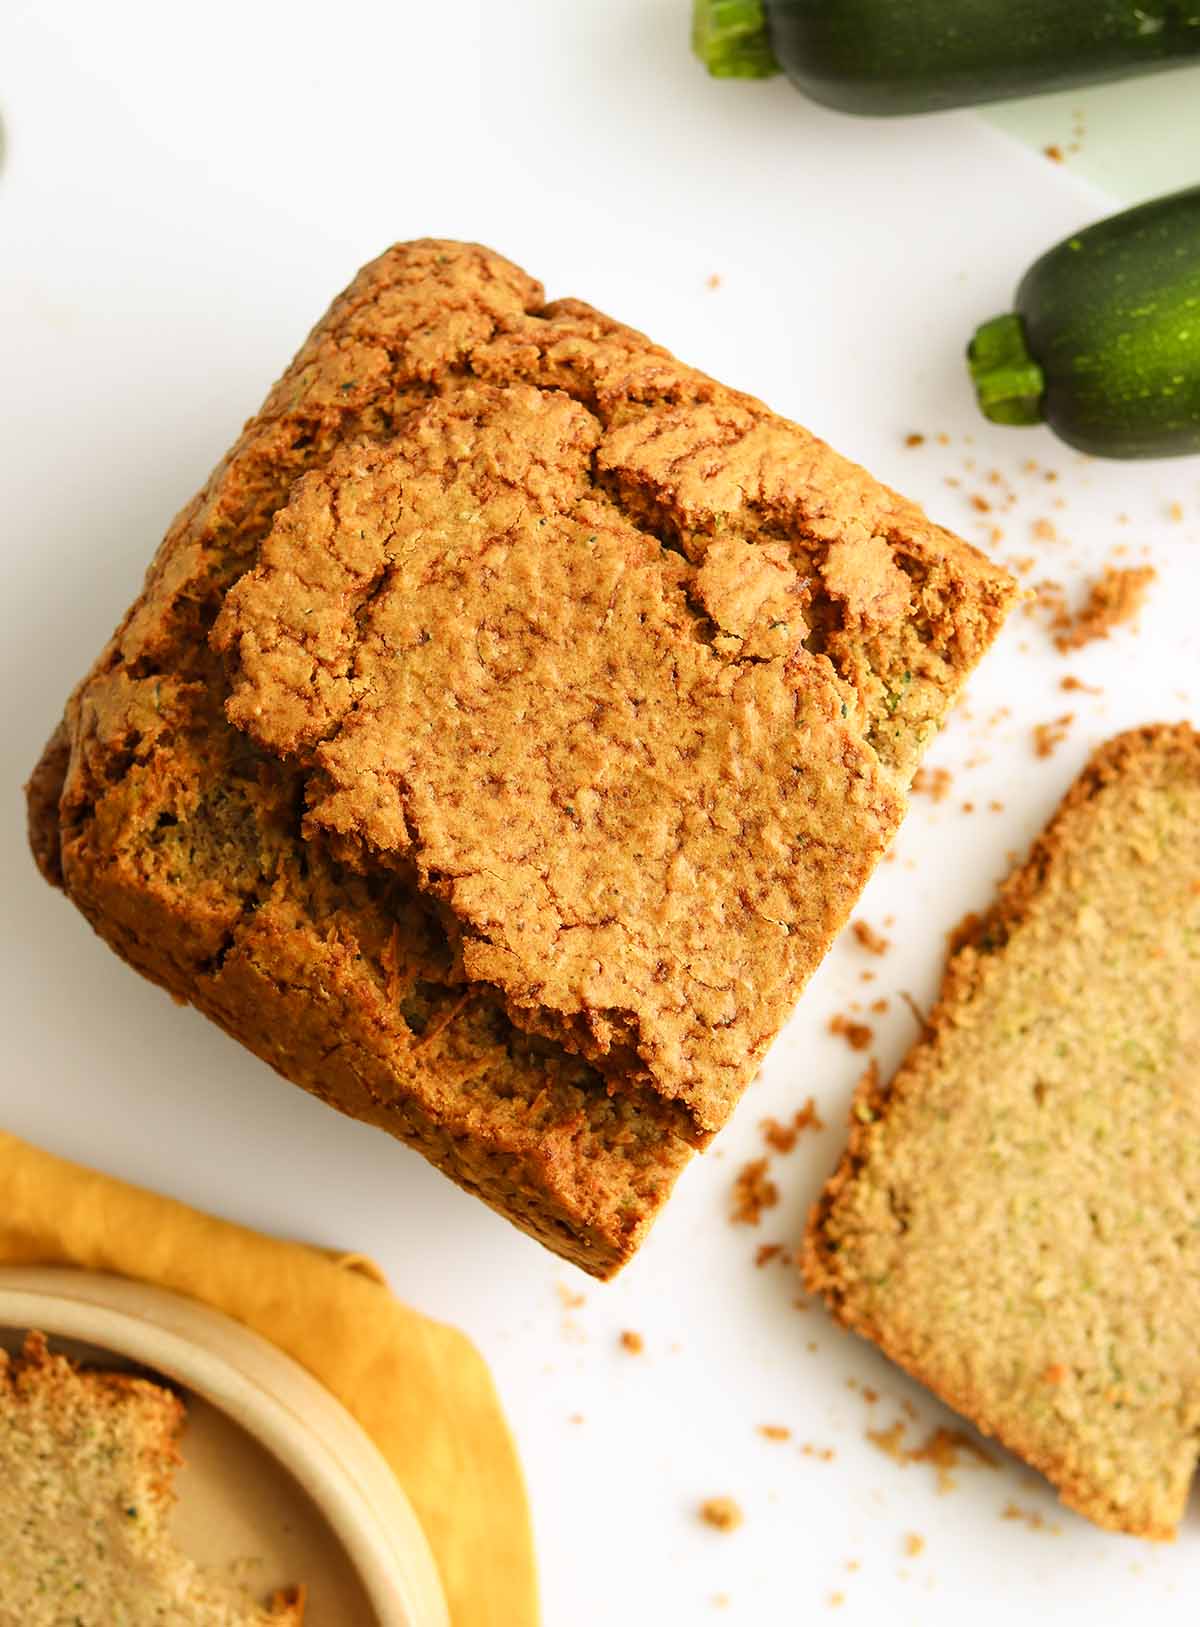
178,204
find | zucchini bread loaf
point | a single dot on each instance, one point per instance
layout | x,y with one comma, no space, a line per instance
504,732
1017,1218
86,1462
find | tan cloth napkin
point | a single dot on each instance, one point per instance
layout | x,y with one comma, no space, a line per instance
419,1389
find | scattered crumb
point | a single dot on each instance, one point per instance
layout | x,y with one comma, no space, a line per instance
1054,153
1030,1517
879,1007
995,807
721,1600
1071,684
632,1342
857,1035
782,1138
753,1192
575,1418
869,1395
836,1599
1044,531
873,942
1175,512
1114,598
714,281
914,439
1049,596
942,1449
767,1251
980,503
933,782
913,1544
823,1454
943,439
968,807
853,1565
570,1300
723,1513
775,1432
1048,736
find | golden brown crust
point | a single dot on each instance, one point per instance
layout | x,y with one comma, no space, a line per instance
947,1235
42,795
188,848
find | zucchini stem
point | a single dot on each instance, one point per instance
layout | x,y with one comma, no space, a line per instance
730,37
1009,384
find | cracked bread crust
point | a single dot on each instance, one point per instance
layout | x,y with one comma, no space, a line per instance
190,849
622,773
1016,1219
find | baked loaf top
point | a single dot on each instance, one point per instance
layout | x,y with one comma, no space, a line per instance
1017,1218
563,651
193,849
86,1460
621,771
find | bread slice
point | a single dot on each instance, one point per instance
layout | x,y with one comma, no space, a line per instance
539,905
86,1460
1017,1217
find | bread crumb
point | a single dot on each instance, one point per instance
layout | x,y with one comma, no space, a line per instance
836,1599
775,1432
721,1600
575,1418
766,1252
941,1449
823,1454
570,1300
913,1544
980,503
857,1035
723,1513
1071,684
873,942
934,783
914,439
1044,531
1175,512
879,1007
753,1192
782,1138
853,1565
713,281
1029,1516
1114,598
1048,736
632,1342
1054,153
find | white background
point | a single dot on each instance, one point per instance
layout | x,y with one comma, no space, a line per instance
182,193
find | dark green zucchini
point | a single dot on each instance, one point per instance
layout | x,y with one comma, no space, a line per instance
916,56
1104,344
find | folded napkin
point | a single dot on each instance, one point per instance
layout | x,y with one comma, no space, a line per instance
419,1389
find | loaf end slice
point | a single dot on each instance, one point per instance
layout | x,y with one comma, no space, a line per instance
1016,1219
86,1464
